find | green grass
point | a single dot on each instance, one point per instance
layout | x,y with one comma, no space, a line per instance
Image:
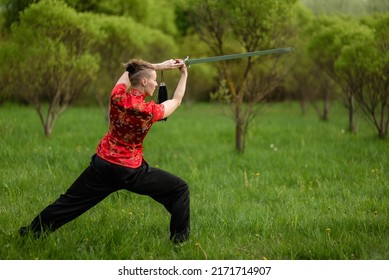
304,189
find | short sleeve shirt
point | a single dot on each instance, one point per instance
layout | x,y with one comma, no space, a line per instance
131,118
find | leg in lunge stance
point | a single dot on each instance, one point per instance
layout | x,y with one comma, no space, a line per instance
172,192
89,189
180,220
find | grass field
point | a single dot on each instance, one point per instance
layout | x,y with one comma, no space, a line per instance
304,189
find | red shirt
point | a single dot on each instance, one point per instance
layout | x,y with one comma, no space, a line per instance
130,119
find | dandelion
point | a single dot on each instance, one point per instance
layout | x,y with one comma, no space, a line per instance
257,174
273,147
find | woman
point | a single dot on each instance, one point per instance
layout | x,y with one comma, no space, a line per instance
118,163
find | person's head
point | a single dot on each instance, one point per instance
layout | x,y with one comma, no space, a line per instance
142,75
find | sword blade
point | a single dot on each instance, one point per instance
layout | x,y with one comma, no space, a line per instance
235,56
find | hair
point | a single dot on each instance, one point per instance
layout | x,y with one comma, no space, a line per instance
138,69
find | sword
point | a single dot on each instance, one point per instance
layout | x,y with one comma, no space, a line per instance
189,62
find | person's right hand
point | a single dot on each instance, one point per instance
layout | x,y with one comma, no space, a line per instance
182,66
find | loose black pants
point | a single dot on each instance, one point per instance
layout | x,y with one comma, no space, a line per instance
101,178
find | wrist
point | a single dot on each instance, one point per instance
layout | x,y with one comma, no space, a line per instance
157,66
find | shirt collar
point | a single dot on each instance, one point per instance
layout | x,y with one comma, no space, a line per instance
137,92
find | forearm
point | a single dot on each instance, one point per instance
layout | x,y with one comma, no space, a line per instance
172,104
180,89
124,79
159,66
168,64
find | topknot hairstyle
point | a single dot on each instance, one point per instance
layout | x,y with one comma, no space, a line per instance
138,69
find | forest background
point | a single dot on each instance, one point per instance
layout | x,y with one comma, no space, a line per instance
312,181
69,52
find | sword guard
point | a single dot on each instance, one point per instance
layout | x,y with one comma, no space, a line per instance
186,59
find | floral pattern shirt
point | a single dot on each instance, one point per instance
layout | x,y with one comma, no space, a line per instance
131,118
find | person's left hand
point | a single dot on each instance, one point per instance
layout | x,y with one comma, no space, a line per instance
170,64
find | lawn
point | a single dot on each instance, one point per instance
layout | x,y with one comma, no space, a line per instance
304,188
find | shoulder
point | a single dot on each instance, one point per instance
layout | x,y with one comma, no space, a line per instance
119,88
118,93
157,110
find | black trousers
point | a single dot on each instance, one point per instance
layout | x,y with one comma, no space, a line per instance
101,178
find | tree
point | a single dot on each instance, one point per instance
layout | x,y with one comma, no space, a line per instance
365,64
12,10
244,26
378,108
331,35
351,66
356,57
156,14
306,80
52,62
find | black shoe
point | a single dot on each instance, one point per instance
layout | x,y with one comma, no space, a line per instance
26,231
180,237
23,231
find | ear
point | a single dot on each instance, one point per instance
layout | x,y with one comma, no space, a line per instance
144,82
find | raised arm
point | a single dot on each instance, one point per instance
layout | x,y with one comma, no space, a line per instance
172,104
166,65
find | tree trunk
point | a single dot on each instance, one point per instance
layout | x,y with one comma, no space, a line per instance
381,133
47,129
351,121
326,106
239,131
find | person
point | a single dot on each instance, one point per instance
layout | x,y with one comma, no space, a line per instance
119,163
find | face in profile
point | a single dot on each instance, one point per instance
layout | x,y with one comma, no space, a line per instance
151,83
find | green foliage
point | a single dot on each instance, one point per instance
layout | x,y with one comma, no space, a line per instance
222,94
7,54
12,9
355,56
377,6
238,25
304,189
358,56
326,45
244,26
344,7
347,7
156,14
53,61
301,79
122,39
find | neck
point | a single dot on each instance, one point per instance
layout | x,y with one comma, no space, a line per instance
139,88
